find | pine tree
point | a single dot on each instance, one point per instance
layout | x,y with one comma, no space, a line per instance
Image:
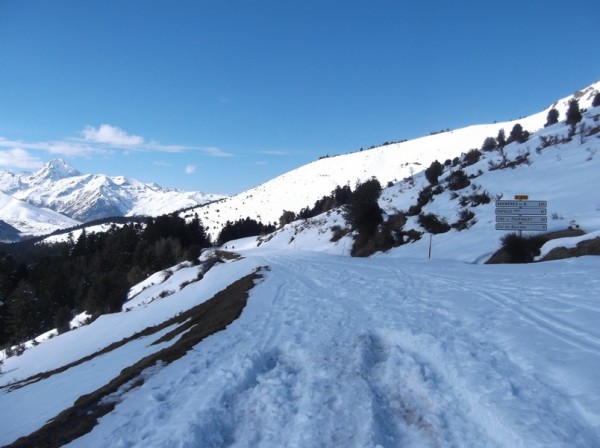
23,314
501,139
552,117
518,134
489,144
362,211
573,115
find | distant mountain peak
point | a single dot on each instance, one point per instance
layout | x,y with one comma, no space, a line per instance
55,170
86,197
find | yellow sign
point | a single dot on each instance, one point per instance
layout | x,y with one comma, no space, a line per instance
521,197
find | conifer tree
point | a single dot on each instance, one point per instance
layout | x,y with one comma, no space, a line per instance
362,211
552,117
573,115
501,139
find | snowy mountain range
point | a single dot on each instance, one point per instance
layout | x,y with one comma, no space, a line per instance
59,187
399,349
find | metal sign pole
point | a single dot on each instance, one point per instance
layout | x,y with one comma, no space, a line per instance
430,239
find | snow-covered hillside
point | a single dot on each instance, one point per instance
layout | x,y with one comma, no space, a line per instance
302,187
564,173
29,219
87,197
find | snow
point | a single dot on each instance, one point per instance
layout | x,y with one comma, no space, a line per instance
334,351
76,233
29,219
564,175
568,243
86,197
392,350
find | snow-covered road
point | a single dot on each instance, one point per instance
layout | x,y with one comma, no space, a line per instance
339,352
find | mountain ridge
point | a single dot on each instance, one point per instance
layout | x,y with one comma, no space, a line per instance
87,197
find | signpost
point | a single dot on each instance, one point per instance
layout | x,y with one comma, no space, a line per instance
521,214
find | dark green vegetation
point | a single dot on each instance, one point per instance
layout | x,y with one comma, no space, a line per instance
573,115
243,228
362,211
42,286
192,326
552,117
338,197
524,248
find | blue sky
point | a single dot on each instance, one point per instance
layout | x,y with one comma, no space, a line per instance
222,95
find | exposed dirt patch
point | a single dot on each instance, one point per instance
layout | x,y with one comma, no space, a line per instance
194,325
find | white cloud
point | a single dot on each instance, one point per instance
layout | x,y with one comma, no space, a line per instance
261,163
189,169
19,158
161,163
73,149
104,140
215,152
56,148
275,153
111,135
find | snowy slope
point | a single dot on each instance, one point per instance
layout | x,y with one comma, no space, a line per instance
302,187
8,234
29,219
565,175
93,196
331,351
334,351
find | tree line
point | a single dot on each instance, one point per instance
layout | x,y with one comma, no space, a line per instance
42,286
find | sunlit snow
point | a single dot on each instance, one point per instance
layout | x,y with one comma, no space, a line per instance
387,351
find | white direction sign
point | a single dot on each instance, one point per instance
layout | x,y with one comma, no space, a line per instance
522,219
509,203
521,215
515,226
521,211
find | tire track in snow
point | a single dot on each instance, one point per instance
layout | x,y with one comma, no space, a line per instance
363,353
551,325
